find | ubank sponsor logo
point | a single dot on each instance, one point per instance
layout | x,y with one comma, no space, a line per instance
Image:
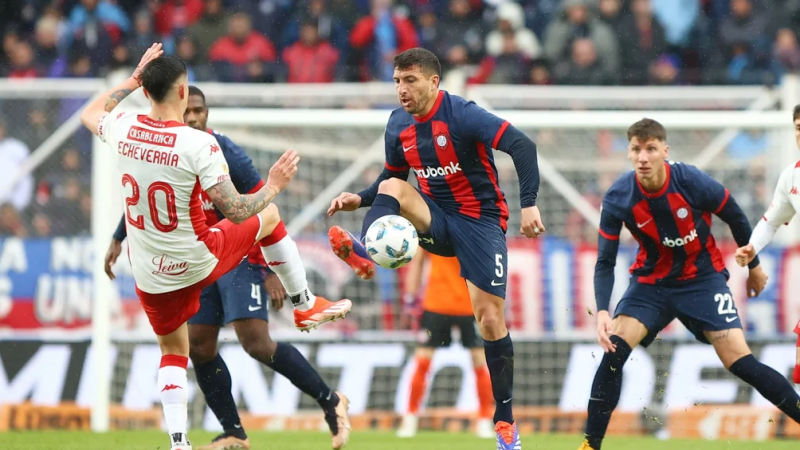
433,172
680,242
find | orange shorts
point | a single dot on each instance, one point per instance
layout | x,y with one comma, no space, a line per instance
169,310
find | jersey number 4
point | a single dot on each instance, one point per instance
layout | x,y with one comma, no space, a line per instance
152,190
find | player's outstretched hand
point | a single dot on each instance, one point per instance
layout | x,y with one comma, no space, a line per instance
275,290
745,254
531,222
604,328
111,257
152,53
346,201
282,172
756,281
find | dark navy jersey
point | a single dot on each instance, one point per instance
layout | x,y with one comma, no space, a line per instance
672,226
449,151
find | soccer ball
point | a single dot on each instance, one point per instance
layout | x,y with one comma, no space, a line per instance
391,242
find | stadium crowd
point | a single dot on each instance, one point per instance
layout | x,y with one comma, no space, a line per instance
572,42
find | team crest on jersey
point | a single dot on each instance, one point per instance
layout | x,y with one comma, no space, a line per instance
225,168
441,141
682,213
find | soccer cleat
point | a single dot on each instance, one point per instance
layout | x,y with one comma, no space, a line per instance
342,435
484,429
507,436
585,445
227,442
408,427
323,311
180,441
352,251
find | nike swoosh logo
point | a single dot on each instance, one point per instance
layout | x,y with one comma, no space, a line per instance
640,225
495,283
730,319
407,149
507,400
251,308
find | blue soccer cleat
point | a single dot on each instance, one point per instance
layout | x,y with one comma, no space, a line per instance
507,436
352,251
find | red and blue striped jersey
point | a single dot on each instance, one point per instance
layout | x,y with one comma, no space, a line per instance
449,151
672,226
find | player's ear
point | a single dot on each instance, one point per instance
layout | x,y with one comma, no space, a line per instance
181,91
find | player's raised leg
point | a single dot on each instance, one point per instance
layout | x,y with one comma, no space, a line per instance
618,338
285,359
395,197
173,384
283,258
735,355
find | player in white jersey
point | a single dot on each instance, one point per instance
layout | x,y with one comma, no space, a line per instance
164,167
785,204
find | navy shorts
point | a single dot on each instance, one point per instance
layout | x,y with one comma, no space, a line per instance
702,305
239,294
480,247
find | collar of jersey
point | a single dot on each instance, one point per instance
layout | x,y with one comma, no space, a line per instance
142,118
660,191
433,110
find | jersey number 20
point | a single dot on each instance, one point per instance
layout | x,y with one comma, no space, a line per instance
133,199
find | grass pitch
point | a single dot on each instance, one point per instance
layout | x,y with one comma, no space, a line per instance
154,440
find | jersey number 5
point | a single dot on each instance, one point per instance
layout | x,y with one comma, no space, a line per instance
152,190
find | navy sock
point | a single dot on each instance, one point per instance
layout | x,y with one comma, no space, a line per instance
500,360
606,390
769,383
290,363
214,380
384,205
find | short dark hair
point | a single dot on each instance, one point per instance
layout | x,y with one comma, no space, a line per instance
194,90
647,129
160,74
424,59
796,113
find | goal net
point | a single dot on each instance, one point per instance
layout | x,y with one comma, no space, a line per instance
50,278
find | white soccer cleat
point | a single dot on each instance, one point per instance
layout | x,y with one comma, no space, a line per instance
408,427
323,311
180,441
484,429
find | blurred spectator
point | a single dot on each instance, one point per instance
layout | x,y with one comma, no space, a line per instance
540,73
641,42
584,68
144,35
88,16
577,22
743,27
40,226
10,40
66,216
460,38
120,60
10,222
678,18
786,50
212,26
428,28
511,25
53,184
751,65
22,62
378,37
173,17
243,55
311,59
665,71
46,38
329,27
268,16
611,13
13,154
196,68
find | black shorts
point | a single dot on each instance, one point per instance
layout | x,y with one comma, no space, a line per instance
438,329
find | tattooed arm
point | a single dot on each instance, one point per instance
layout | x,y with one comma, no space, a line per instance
90,117
238,207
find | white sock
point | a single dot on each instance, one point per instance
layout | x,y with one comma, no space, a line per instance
283,258
172,386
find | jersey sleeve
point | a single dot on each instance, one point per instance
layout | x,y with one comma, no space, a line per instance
395,161
482,125
106,125
210,165
781,211
607,248
243,173
712,196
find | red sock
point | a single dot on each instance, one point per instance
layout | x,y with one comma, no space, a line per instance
485,396
796,375
277,234
418,384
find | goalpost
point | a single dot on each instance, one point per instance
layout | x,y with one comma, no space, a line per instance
581,150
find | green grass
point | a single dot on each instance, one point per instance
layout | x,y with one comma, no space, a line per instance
153,440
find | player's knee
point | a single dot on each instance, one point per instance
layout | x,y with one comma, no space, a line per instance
259,348
202,352
492,325
392,186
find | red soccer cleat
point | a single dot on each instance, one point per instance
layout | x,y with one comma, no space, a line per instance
351,251
323,311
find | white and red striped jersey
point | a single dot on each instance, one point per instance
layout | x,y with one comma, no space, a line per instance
785,203
164,167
